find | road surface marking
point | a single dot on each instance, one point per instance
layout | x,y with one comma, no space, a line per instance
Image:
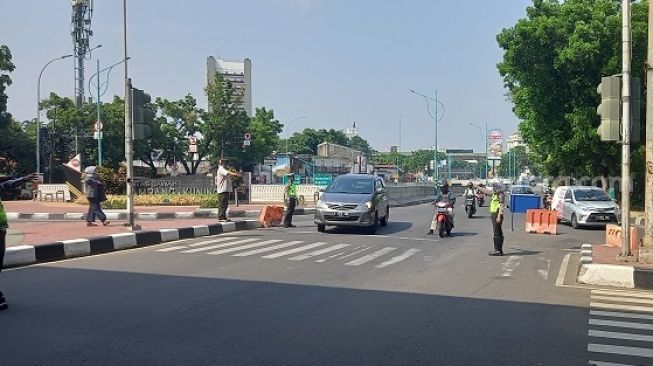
244,247
620,324
211,247
643,309
405,255
544,273
618,335
620,350
170,249
631,300
614,314
269,249
318,252
644,295
370,257
600,363
510,265
343,255
295,250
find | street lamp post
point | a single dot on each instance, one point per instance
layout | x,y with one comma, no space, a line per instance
288,130
38,112
436,118
485,139
99,95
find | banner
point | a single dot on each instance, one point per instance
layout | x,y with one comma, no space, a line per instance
75,164
494,145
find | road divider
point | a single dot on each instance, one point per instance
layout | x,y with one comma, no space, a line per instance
541,222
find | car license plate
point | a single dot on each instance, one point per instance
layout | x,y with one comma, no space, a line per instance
604,218
341,214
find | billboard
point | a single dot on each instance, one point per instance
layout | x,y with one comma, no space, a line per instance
494,145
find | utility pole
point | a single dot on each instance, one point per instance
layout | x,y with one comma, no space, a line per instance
129,141
646,251
625,148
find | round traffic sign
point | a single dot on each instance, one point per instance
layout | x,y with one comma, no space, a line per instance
98,126
248,136
192,140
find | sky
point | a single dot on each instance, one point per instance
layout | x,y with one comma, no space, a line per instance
332,61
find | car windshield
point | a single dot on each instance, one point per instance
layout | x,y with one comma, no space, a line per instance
591,195
521,190
351,185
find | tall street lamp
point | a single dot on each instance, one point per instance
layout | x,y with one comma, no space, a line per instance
38,112
437,117
485,139
288,129
99,95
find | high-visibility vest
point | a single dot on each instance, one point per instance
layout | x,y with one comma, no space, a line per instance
292,190
3,217
495,204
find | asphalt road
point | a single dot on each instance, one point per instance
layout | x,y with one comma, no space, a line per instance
298,297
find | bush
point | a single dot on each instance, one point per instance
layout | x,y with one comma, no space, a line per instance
115,202
120,201
209,202
114,181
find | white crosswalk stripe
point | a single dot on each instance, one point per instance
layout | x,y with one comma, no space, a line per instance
620,328
296,250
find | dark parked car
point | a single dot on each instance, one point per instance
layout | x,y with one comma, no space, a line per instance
353,200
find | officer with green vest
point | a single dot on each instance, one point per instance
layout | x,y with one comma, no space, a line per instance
291,201
497,205
7,186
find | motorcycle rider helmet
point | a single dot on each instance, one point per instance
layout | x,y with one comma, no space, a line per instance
470,185
444,188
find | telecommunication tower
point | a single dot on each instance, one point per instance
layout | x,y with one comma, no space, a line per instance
81,31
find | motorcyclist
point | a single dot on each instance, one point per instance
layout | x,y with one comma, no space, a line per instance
444,196
470,191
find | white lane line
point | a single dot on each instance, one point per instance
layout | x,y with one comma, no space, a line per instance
370,257
644,295
614,314
244,247
510,265
269,249
544,273
192,245
601,363
405,255
619,335
216,246
642,309
326,259
620,350
631,300
295,250
560,281
318,252
620,324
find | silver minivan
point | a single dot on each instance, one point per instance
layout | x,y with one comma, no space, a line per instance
585,206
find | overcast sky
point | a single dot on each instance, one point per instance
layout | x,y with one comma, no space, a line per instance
333,61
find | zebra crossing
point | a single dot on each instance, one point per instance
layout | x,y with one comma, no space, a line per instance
620,328
297,250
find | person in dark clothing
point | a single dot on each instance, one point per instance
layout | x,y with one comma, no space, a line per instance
291,201
6,186
497,205
95,193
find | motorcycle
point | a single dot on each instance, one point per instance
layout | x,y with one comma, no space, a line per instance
470,207
444,224
480,197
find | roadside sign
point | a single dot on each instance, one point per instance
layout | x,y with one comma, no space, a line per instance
246,142
270,161
248,136
98,126
321,179
192,140
97,135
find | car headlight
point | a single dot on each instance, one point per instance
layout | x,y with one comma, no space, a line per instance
321,204
365,205
584,210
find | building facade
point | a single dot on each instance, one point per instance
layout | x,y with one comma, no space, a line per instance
238,73
515,140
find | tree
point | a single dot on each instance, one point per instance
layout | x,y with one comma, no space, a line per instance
306,142
16,149
6,66
360,144
552,64
514,161
265,131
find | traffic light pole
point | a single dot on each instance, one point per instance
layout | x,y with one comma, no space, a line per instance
625,148
129,142
646,251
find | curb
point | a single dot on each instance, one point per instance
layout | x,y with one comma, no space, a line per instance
28,254
614,275
145,216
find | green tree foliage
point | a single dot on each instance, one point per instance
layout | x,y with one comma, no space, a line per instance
306,142
552,64
6,66
360,144
16,149
265,136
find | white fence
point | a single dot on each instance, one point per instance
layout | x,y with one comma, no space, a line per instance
261,193
52,192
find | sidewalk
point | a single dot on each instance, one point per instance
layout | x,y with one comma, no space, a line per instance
599,266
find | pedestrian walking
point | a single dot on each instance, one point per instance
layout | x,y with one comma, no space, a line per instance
497,205
6,186
225,187
95,191
291,201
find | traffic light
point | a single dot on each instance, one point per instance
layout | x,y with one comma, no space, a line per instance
610,108
635,108
141,115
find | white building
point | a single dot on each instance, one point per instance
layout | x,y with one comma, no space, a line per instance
239,73
515,140
351,132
